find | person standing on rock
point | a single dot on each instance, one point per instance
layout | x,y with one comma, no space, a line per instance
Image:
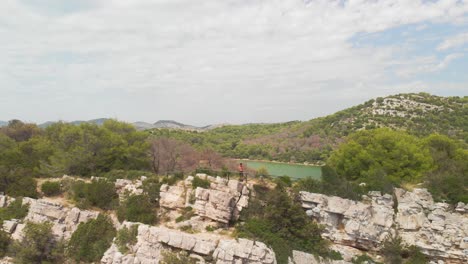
241,171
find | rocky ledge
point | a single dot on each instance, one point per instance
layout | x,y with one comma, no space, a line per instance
153,241
439,230
222,202
64,220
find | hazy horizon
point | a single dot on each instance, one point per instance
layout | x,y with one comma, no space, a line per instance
210,62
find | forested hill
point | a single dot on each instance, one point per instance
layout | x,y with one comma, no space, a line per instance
419,114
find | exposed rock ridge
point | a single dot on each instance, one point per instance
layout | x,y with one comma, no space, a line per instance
439,231
64,220
222,202
152,241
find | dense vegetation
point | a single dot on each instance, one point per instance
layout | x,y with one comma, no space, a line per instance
360,157
274,218
419,114
384,158
38,245
89,242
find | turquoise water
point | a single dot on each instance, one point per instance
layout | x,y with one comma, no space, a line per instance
295,171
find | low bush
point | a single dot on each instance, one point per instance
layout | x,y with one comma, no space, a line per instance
151,187
22,186
100,193
16,210
332,184
284,180
126,237
50,188
5,241
181,257
395,251
89,242
187,213
199,182
137,208
126,174
38,245
275,219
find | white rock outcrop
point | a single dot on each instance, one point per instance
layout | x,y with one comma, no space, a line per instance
440,231
299,257
222,202
437,229
64,220
358,224
126,187
153,241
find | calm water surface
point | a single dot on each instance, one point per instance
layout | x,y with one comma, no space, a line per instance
295,171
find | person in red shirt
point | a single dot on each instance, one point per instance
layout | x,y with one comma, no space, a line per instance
241,171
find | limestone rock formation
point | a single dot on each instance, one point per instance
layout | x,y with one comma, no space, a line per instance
440,231
435,228
65,220
359,224
152,241
222,202
299,257
126,187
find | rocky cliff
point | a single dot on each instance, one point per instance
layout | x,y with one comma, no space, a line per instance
153,241
65,220
438,229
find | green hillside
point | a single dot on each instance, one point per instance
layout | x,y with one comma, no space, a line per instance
311,141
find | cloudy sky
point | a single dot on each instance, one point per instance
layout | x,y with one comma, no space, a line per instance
217,61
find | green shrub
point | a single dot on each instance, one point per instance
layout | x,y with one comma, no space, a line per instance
363,259
210,228
187,213
181,257
137,208
38,245
415,256
126,237
100,193
126,174
284,180
24,186
16,210
5,241
89,242
151,187
332,184
50,188
275,219
262,172
199,182
393,249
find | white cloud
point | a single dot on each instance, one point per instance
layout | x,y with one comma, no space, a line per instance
454,41
418,65
208,61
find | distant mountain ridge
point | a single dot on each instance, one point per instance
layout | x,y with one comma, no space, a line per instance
140,125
